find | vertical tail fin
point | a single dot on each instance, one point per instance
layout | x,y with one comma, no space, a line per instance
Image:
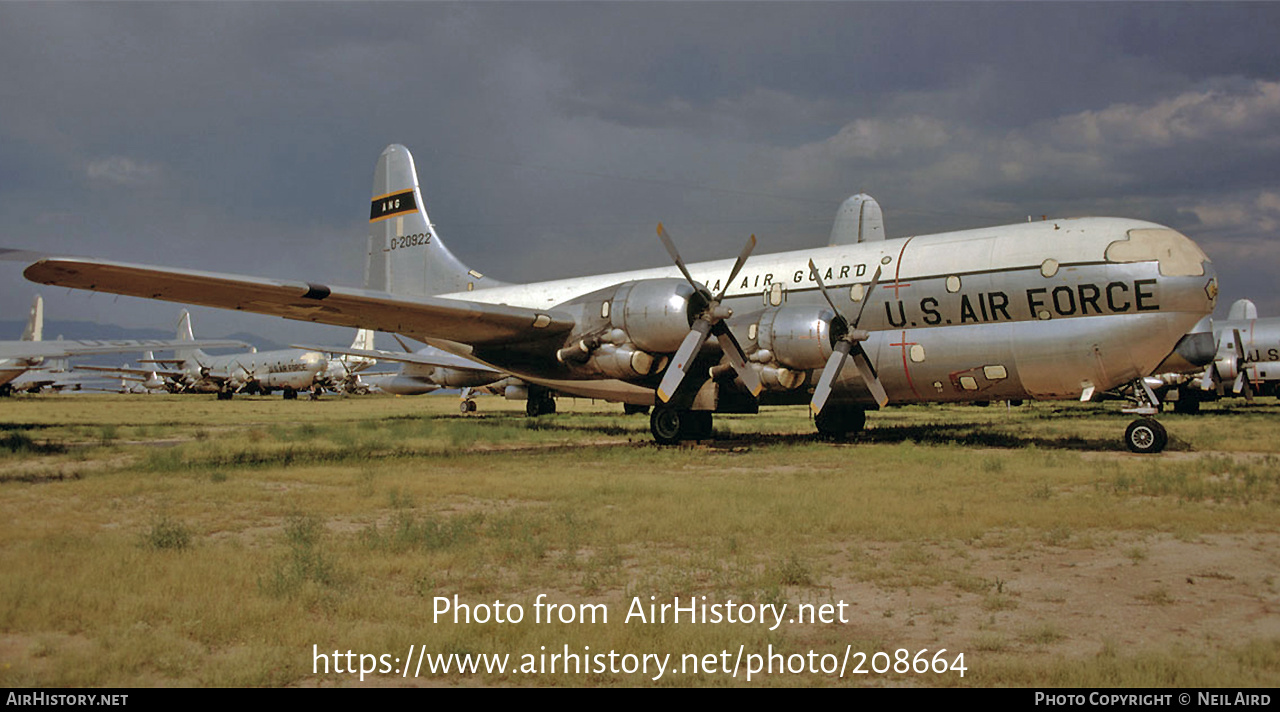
185,334
35,321
1242,310
859,219
363,340
405,255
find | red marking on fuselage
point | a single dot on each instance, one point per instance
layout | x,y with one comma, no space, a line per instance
897,270
906,368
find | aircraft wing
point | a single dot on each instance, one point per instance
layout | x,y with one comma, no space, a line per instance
431,317
433,357
139,372
88,347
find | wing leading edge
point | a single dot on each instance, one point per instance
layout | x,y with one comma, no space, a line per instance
465,322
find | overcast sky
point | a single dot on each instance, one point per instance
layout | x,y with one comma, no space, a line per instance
551,138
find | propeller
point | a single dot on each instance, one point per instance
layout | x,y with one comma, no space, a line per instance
710,319
847,340
1242,367
1212,379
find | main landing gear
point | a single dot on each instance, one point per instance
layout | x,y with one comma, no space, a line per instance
540,402
672,425
839,421
468,402
1145,435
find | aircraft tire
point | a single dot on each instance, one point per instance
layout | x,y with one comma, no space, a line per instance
290,394
224,395
1145,436
838,422
539,404
666,424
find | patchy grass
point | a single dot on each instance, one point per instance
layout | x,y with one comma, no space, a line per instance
344,523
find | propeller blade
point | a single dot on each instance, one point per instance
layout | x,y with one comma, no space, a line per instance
675,254
737,266
687,352
1206,381
866,298
869,376
1242,383
822,287
737,358
829,372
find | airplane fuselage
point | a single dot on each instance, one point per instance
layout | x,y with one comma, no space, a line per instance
1035,310
293,369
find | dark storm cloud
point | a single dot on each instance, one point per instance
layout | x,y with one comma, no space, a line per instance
551,137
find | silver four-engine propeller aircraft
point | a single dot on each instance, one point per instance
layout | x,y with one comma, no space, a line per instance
1246,360
191,370
1057,309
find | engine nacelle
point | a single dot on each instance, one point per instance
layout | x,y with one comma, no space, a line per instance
627,331
797,338
654,313
1228,367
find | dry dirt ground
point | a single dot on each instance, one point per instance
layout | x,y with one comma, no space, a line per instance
1151,592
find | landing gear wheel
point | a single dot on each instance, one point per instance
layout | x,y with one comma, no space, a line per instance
467,406
539,404
838,422
290,394
224,395
1145,436
671,425
665,424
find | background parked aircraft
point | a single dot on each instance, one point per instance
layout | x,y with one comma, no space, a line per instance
18,357
191,370
430,369
1246,360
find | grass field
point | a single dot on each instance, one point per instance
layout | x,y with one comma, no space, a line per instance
178,540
